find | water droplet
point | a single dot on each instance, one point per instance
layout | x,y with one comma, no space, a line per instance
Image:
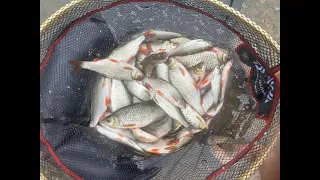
78,88
49,91
68,87
101,31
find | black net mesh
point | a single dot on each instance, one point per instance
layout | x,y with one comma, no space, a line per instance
91,29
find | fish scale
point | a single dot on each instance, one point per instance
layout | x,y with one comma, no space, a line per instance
119,95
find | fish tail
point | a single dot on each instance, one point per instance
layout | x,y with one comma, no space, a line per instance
77,65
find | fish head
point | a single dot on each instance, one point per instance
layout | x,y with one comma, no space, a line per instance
113,121
199,69
172,45
203,125
136,75
172,64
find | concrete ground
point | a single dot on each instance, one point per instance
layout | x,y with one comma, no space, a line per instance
266,13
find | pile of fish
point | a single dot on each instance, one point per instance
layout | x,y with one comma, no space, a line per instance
156,91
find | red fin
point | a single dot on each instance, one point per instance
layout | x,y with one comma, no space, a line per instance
127,68
182,71
107,101
160,93
129,126
104,84
148,33
201,101
213,50
204,81
96,59
155,150
222,84
173,142
144,50
162,50
113,60
147,91
196,86
77,65
174,98
149,48
148,86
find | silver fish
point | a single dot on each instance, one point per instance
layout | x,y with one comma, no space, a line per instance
120,97
159,147
208,58
180,78
212,112
152,60
118,137
215,85
172,110
194,118
153,35
143,136
138,90
197,72
110,68
207,100
162,72
191,47
135,116
135,100
166,90
180,40
224,80
160,128
100,99
128,51
125,132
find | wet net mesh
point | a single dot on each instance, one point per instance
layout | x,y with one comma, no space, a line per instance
69,148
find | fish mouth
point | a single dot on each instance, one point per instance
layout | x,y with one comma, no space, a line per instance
137,75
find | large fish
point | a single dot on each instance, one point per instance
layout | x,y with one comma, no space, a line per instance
128,51
208,58
100,99
172,110
110,68
191,47
166,90
162,72
135,116
194,118
120,97
197,72
138,90
181,79
224,80
143,136
153,35
160,128
118,137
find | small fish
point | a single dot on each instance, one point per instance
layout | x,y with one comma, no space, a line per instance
191,47
224,79
166,90
221,56
208,58
172,110
180,40
125,132
180,78
153,35
216,85
120,97
135,100
135,116
128,51
138,90
197,72
212,112
143,136
184,137
118,137
162,72
194,118
162,146
110,68
153,59
100,99
160,128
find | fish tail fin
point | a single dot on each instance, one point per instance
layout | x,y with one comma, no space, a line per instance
77,65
